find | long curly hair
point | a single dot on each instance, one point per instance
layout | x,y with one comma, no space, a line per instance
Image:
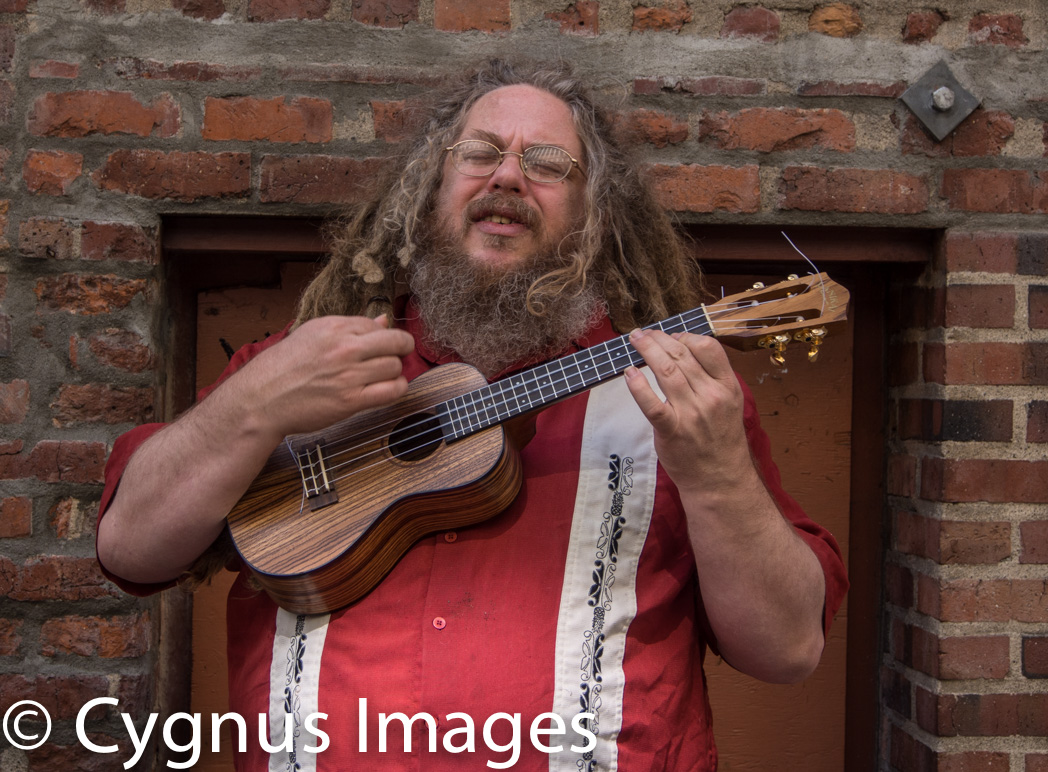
627,243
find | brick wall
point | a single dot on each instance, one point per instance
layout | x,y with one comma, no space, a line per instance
114,113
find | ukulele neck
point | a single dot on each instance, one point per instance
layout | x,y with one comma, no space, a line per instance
548,383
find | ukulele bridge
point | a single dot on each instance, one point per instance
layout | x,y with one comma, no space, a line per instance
315,481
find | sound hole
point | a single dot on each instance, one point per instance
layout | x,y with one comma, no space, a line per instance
416,437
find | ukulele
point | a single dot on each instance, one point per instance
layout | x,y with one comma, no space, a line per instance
332,511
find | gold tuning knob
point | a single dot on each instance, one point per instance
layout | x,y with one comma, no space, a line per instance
813,337
777,344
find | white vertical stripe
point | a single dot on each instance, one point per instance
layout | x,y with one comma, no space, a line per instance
613,507
294,681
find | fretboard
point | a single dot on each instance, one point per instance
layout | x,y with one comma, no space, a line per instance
540,386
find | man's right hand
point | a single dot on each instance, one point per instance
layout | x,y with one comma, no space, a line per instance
181,483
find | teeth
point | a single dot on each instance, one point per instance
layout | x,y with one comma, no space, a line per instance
497,218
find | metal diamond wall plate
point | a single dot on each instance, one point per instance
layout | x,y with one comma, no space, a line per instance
939,101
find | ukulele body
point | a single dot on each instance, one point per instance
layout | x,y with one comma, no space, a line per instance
314,554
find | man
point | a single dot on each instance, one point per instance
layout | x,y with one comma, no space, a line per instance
516,231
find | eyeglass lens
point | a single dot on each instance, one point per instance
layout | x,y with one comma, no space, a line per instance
542,163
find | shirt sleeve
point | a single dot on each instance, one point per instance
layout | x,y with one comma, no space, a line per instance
126,445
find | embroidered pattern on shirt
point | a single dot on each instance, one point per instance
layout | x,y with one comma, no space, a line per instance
293,687
600,598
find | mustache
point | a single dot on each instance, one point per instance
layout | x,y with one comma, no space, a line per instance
499,203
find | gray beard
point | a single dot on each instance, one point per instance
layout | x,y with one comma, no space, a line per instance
481,313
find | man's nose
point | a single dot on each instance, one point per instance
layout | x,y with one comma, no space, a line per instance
508,175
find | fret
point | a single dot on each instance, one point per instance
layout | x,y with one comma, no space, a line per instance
542,385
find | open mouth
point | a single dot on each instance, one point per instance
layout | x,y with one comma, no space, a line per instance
500,210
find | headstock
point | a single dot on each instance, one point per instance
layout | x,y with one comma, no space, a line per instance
801,308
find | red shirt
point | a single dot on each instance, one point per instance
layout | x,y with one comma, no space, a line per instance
468,623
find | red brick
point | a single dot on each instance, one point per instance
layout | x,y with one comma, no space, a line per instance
209,10
277,10
390,14
16,517
184,177
4,207
47,238
72,518
8,577
993,715
1004,29
14,401
88,295
723,85
51,172
974,542
1035,658
394,121
466,15
60,577
983,133
770,130
898,585
118,241
694,188
122,349
1031,254
373,74
837,20
936,420
1036,762
883,191
108,638
1037,421
974,761
986,252
195,72
10,640
56,461
62,696
980,305
909,753
580,18
318,179
1002,191
896,690
303,119
998,364
933,367
1037,307
101,403
831,88
13,6
51,755
1034,538
83,113
659,19
902,475
921,26
751,23
652,126
967,657
993,480
917,535
975,600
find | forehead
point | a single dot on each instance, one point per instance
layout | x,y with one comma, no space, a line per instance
525,115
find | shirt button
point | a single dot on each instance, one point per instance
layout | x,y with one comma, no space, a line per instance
439,622
450,536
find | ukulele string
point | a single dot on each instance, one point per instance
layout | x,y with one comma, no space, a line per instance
622,348
467,414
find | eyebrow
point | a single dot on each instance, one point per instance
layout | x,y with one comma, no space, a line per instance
499,141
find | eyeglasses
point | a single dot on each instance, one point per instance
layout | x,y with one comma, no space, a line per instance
541,163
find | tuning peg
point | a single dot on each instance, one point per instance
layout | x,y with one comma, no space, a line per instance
777,344
813,337
792,277
758,285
